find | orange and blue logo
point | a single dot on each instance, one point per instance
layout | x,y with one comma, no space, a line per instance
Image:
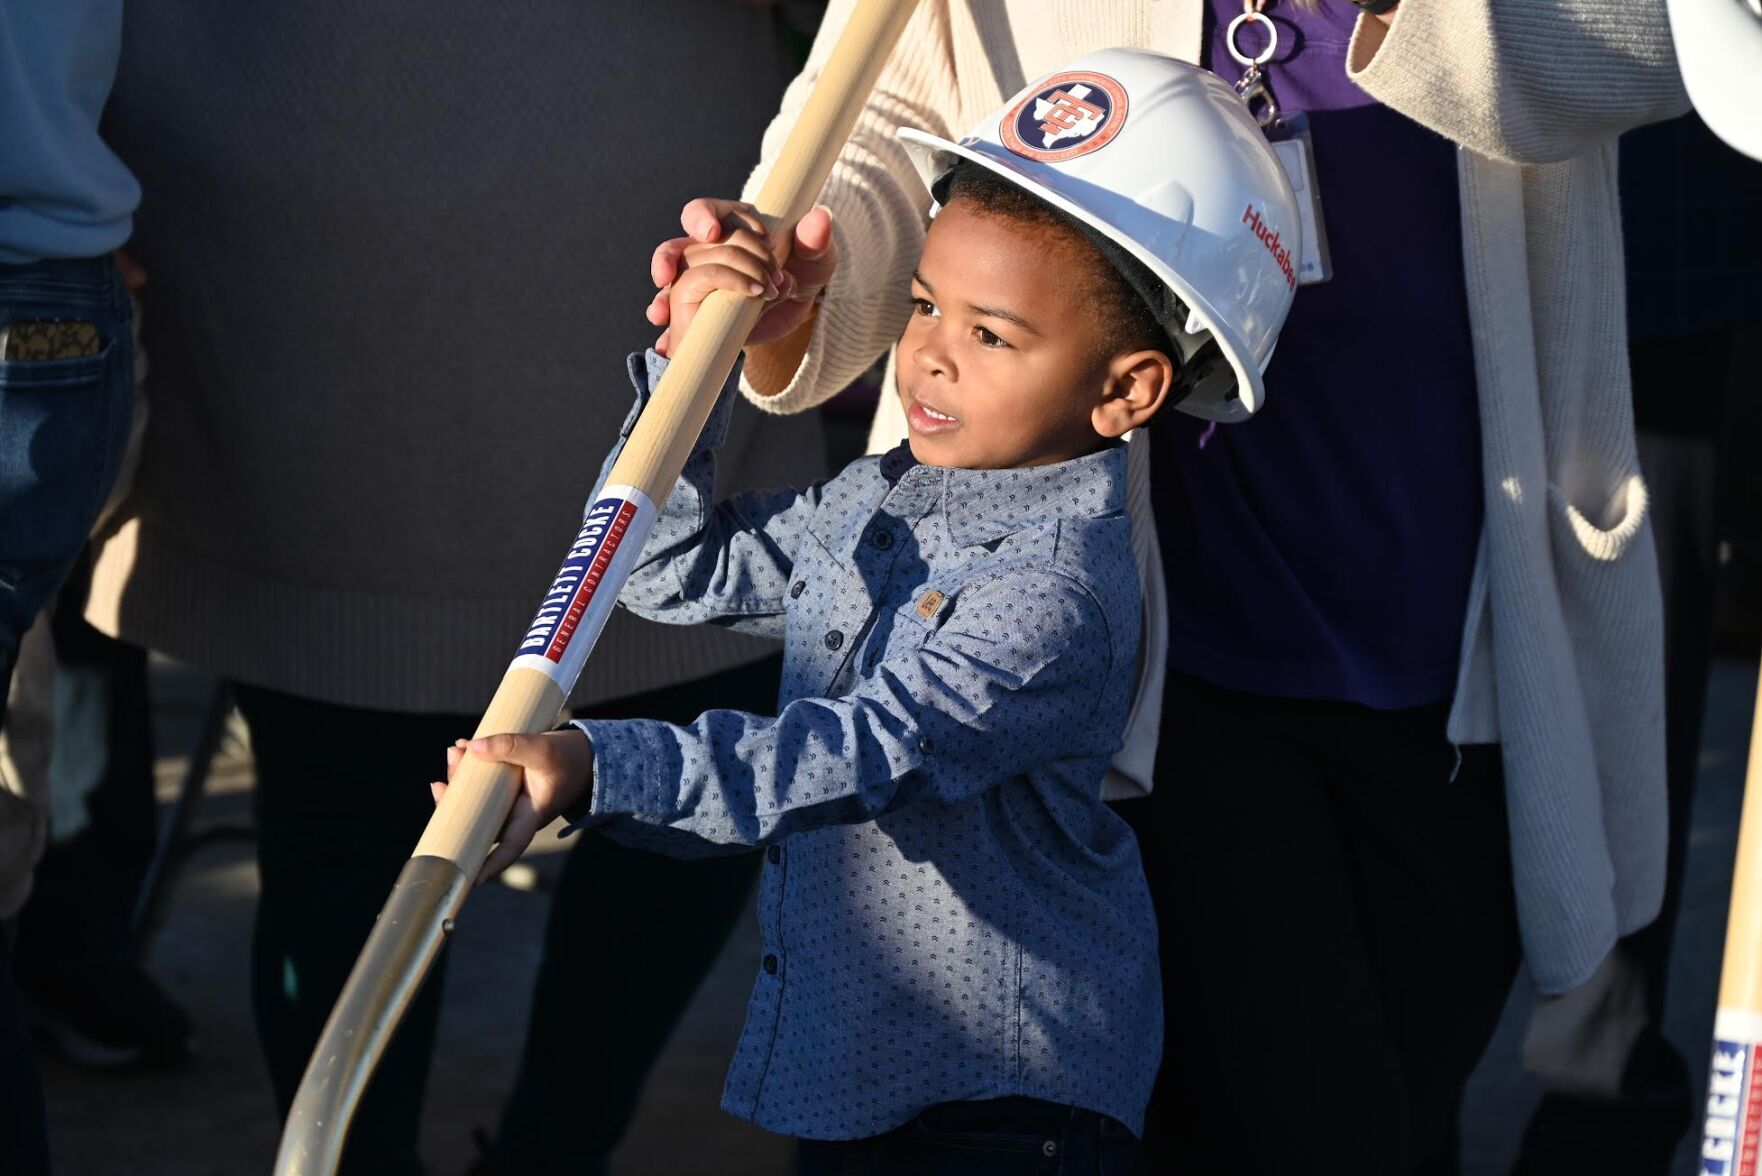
1068,115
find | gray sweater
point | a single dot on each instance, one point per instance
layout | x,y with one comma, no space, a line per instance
397,253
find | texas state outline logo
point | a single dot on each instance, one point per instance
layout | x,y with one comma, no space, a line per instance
1068,115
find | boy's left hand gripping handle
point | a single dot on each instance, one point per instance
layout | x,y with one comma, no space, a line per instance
417,917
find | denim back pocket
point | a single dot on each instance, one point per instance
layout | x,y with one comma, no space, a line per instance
56,435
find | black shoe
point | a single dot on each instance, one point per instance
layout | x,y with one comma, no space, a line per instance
107,1014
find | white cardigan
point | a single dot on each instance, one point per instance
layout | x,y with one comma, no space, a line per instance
1563,662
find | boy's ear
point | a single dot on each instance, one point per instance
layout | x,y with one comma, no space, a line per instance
1137,384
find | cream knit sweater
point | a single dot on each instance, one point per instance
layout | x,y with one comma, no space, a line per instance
1562,656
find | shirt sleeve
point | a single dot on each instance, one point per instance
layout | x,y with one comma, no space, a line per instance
1010,682
727,564
1527,81
879,205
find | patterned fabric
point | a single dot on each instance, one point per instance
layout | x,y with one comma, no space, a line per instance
35,342
948,910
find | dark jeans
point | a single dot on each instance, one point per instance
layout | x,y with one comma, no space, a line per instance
670,922
993,1137
63,426
1338,933
342,796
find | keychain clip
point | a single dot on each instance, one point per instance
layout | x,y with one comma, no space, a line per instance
1252,84
1290,139
1253,88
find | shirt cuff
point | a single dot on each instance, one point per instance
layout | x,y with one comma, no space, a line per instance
627,781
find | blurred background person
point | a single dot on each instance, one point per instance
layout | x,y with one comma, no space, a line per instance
399,253
66,382
1694,320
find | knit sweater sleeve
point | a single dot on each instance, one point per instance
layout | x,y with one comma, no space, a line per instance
1529,81
878,204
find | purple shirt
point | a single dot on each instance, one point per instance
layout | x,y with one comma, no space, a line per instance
1323,549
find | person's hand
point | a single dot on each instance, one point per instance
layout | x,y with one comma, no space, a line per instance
730,244
556,770
133,276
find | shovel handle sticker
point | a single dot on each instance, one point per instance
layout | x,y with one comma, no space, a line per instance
585,588
1733,1127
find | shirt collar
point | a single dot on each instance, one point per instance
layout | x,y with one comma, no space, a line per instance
983,506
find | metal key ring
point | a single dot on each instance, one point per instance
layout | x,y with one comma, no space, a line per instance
1272,34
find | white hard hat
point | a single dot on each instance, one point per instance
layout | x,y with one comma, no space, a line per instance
1719,47
1163,159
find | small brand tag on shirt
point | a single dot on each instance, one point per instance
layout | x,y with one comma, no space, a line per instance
932,601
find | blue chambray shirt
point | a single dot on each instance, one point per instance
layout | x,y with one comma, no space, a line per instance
948,909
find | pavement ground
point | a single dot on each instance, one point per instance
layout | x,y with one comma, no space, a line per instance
213,1117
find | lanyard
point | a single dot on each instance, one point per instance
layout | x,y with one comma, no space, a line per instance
1290,139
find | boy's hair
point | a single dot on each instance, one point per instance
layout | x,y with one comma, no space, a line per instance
1130,325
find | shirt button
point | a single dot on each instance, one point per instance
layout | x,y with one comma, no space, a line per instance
797,588
770,965
882,539
774,855
834,639
926,743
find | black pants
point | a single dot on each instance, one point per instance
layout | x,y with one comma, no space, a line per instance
1338,933
989,1137
342,796
24,1137
570,1107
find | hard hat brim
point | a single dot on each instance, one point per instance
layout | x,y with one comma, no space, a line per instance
1719,50
932,156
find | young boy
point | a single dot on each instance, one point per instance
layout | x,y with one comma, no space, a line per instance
960,953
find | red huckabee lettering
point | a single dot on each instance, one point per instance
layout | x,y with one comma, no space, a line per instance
1269,237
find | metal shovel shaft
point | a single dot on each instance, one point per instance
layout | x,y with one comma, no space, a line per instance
408,935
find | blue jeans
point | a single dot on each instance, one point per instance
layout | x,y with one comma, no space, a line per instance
993,1137
63,426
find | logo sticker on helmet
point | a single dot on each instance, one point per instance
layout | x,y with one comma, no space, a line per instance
1070,114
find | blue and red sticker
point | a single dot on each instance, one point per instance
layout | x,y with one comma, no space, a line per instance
585,589
1069,115
584,568
1732,1133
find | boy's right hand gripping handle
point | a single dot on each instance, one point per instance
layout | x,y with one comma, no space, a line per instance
413,925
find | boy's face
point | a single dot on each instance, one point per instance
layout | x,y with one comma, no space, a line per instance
1003,364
